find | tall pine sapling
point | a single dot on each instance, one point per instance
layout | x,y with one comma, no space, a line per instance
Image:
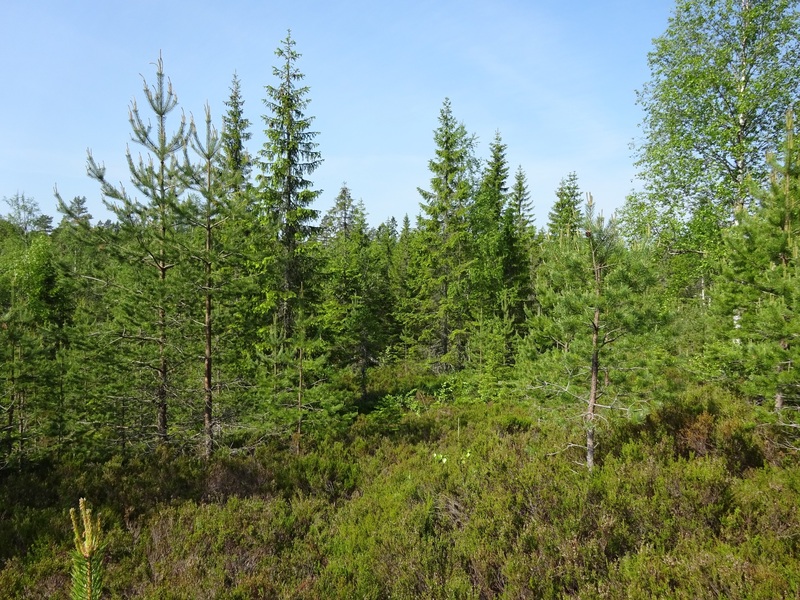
591,292
151,226
208,217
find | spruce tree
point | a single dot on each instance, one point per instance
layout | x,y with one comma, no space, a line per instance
235,161
34,312
345,242
565,216
287,159
444,242
245,239
356,307
407,303
486,224
518,245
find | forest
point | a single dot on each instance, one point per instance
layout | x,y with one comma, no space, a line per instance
244,397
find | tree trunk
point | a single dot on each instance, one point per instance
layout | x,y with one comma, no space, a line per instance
208,404
299,402
593,389
163,378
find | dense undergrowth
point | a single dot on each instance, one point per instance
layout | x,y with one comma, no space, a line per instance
699,499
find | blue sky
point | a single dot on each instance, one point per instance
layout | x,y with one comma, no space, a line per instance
557,78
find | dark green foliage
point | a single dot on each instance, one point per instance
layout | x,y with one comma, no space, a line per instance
446,501
518,251
486,226
35,314
235,161
356,288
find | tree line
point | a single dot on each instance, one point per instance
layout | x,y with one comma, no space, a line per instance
219,307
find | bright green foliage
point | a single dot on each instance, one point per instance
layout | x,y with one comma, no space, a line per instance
87,560
692,251
565,217
443,243
722,75
760,287
465,343
489,355
288,157
26,215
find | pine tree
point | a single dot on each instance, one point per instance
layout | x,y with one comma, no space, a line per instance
150,228
87,563
288,157
208,215
757,292
591,291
